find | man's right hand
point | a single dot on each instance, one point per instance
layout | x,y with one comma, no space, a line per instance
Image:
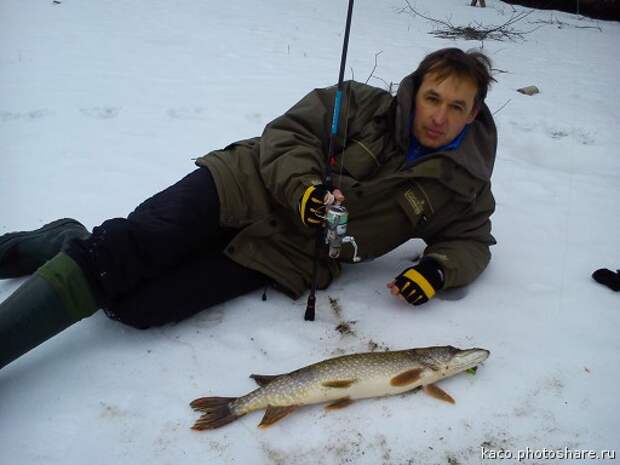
313,202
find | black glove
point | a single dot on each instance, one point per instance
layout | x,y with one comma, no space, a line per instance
312,205
608,278
421,282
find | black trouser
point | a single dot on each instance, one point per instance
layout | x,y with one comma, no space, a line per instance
164,262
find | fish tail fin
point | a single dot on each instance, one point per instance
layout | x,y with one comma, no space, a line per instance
216,412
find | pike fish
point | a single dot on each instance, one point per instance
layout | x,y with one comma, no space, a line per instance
340,380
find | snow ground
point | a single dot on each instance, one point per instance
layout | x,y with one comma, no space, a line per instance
104,103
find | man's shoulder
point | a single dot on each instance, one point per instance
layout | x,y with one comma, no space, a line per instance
366,88
369,98
358,87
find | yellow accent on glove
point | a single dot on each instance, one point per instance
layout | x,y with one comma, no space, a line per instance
310,204
421,281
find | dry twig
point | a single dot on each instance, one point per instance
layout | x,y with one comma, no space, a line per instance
502,107
372,72
562,24
389,86
475,31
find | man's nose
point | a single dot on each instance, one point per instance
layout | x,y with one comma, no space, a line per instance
440,116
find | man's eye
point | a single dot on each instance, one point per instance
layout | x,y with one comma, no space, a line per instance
457,108
431,98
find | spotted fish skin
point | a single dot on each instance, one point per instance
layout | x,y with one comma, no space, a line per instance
342,379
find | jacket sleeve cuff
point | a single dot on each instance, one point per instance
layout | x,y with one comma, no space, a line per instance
433,271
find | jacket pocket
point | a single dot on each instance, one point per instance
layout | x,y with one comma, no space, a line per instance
421,201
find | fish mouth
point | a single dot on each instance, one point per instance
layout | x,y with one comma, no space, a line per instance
468,358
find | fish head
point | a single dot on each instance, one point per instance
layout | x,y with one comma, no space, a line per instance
449,360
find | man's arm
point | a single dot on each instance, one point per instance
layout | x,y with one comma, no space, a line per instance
293,148
462,248
293,151
454,257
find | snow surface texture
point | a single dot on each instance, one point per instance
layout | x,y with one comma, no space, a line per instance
105,103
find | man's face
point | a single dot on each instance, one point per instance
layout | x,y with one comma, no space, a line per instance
442,109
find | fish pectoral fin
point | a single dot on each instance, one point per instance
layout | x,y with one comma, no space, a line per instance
406,377
435,391
339,403
263,380
339,383
274,414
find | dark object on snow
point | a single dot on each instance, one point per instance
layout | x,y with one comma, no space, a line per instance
601,9
529,90
608,278
483,3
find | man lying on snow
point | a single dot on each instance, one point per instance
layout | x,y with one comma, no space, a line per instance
414,165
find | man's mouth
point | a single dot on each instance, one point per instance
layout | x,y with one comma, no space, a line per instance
433,133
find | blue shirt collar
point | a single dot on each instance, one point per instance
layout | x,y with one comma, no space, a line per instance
417,150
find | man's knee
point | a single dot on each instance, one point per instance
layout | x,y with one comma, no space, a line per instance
108,258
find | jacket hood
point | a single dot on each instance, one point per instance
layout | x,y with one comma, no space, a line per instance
477,151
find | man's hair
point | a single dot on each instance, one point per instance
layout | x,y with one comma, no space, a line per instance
447,62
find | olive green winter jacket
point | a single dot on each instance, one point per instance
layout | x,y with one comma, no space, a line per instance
443,198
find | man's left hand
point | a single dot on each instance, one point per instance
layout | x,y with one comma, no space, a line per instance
418,284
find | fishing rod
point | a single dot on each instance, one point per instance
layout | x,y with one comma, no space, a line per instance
337,216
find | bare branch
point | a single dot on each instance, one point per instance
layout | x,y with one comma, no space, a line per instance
475,31
502,107
374,67
417,13
561,24
387,85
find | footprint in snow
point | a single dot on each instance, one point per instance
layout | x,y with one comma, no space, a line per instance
100,112
6,116
186,113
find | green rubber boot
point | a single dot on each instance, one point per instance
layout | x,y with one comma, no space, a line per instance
21,253
51,300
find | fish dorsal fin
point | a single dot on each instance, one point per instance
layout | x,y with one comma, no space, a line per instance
263,380
406,377
339,383
339,403
438,393
274,414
